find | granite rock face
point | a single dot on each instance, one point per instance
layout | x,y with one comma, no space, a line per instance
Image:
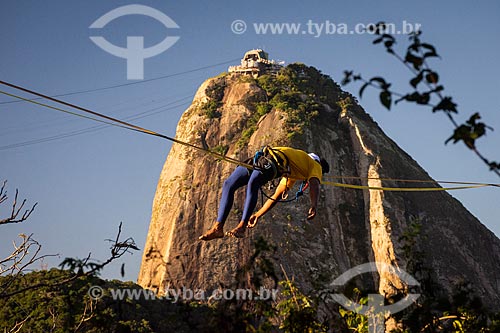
352,226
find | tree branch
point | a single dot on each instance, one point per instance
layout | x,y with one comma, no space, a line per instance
14,215
118,249
468,132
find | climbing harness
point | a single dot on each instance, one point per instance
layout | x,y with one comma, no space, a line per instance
282,163
269,158
284,197
303,186
264,164
281,160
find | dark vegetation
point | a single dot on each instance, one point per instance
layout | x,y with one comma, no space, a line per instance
426,90
298,90
75,307
75,299
69,307
215,94
58,300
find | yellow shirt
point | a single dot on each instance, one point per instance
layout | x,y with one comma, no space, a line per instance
302,166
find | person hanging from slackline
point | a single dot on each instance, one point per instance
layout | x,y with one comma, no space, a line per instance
269,163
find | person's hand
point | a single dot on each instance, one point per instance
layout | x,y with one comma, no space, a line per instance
253,221
312,213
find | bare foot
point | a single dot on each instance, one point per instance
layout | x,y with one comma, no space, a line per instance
239,231
215,232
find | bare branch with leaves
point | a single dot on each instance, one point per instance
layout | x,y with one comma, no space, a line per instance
118,249
427,90
80,267
22,258
88,313
25,253
18,326
16,210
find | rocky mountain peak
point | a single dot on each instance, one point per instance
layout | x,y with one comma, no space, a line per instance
236,115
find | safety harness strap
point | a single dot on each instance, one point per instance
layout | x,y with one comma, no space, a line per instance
281,160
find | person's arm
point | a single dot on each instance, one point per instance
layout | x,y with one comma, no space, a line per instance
314,195
268,205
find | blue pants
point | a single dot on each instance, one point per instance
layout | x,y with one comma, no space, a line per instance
241,176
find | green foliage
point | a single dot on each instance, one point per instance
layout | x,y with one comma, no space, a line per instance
215,94
220,149
294,312
61,309
467,318
463,311
409,240
245,136
344,103
469,132
297,311
80,266
299,91
261,108
269,83
245,79
460,312
353,320
222,75
259,265
216,90
68,307
210,109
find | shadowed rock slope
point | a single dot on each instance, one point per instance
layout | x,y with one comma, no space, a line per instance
429,234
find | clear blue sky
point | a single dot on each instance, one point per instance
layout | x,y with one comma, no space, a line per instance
86,184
